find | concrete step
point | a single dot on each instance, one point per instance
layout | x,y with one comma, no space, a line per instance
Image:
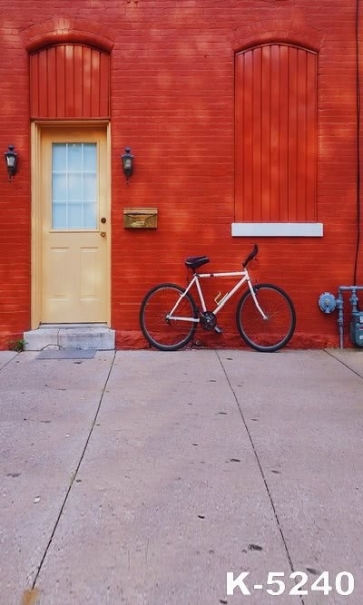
95,337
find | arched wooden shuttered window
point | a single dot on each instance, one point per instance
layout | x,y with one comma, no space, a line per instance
276,96
69,81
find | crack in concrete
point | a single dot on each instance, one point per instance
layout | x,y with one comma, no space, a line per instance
263,476
342,362
74,476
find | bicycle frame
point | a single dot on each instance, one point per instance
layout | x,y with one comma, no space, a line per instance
244,275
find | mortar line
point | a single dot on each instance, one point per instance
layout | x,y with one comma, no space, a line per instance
279,527
74,474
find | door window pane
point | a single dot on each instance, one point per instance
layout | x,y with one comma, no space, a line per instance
75,216
59,216
74,186
89,215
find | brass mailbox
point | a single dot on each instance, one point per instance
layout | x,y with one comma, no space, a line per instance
140,218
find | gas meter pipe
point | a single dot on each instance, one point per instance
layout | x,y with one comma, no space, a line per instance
340,303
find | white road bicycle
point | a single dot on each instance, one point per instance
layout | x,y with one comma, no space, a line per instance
169,315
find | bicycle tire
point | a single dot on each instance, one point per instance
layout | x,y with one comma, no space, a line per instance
163,334
274,333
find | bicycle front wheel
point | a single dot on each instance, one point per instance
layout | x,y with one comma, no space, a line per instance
274,332
163,333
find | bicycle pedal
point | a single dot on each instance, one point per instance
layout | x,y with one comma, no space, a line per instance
218,330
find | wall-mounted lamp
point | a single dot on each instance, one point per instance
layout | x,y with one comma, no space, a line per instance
11,161
127,163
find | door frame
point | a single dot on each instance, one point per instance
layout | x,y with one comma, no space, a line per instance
37,128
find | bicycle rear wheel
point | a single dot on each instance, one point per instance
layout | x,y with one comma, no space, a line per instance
162,333
273,333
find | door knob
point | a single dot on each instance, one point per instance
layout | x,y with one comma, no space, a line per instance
103,234
103,219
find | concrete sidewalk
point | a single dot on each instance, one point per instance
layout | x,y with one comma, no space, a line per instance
142,478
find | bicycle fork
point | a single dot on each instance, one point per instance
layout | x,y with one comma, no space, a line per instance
253,294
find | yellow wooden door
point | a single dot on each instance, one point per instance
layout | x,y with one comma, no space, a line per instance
75,226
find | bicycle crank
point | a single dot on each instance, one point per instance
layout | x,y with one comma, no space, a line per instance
208,320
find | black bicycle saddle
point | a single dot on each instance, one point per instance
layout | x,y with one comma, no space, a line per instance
193,262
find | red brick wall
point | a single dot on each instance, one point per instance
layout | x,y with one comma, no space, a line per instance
15,212
172,102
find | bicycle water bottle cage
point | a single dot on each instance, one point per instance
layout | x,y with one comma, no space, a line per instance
193,262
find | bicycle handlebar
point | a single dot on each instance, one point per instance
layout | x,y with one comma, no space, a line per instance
251,255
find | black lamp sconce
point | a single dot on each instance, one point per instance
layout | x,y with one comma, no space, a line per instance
11,161
127,163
